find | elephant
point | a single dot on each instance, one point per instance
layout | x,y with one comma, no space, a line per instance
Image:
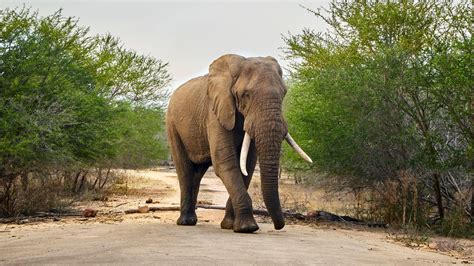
228,118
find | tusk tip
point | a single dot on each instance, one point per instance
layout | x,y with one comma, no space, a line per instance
244,153
297,148
307,158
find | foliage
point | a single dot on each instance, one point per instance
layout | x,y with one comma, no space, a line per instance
384,94
142,140
70,101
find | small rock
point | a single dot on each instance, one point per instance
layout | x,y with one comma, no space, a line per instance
143,209
24,221
433,245
88,212
156,217
149,200
56,219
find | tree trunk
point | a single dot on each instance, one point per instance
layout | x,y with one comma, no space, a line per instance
439,199
98,178
84,178
106,178
471,170
74,184
415,199
472,201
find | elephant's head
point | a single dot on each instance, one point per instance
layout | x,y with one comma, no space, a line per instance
255,88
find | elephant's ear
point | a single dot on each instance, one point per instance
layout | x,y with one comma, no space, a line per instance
223,73
276,65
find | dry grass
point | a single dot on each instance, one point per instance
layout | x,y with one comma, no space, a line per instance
303,198
459,248
133,185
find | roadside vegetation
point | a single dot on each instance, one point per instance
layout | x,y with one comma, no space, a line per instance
383,102
73,107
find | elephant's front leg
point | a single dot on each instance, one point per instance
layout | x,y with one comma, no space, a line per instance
240,202
229,217
224,158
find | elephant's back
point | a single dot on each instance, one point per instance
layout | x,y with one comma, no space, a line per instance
189,96
187,117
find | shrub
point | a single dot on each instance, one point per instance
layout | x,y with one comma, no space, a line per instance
386,91
71,102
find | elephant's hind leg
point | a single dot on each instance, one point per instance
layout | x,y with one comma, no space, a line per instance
189,177
189,186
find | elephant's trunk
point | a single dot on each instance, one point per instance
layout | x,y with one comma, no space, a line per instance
268,140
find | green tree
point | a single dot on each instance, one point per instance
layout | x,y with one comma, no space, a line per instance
142,140
69,100
385,92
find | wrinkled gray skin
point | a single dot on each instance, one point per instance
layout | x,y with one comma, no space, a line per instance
206,122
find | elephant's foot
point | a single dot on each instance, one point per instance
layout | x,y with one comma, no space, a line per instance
227,223
247,225
187,219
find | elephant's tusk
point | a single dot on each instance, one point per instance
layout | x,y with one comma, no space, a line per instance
243,153
297,148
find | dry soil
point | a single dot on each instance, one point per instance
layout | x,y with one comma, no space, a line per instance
154,238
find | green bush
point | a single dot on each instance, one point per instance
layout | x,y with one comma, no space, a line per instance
71,102
384,93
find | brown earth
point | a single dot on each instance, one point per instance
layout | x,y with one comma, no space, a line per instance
153,238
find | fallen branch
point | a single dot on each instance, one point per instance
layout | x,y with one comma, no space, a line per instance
40,215
118,205
154,209
55,214
262,212
313,216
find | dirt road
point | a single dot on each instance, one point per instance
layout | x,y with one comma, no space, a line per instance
153,238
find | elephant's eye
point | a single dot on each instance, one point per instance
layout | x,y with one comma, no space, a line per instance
246,94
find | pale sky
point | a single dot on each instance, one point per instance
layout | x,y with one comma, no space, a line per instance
189,35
